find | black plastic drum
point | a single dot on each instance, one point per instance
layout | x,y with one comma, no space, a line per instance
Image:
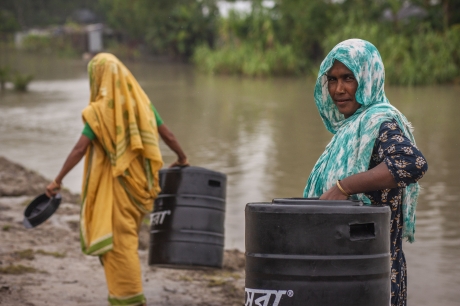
307,252
187,222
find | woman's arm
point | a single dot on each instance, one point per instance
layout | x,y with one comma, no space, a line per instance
171,141
377,178
74,157
402,164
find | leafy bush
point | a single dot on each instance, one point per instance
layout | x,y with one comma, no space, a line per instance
420,58
8,23
37,43
60,45
173,27
248,45
246,59
21,82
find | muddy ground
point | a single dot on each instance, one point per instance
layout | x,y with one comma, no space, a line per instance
45,266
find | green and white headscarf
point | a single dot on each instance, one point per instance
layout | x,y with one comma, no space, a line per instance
350,149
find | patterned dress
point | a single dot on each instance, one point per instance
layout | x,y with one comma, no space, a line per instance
407,165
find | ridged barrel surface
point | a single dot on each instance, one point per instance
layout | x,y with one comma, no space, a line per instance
317,253
187,223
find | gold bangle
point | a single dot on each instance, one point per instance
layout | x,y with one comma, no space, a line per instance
342,190
54,181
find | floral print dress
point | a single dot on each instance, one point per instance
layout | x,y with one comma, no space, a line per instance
407,165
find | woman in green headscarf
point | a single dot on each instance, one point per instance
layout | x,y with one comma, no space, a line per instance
372,156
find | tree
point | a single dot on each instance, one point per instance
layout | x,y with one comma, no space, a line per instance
171,27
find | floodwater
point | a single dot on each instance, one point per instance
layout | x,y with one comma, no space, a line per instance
264,134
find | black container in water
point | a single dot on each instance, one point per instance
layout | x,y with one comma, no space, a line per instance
309,252
187,222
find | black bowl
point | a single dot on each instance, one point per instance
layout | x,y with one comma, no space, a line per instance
40,209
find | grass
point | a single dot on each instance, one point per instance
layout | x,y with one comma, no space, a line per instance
26,202
29,254
6,228
248,60
186,278
25,254
215,282
17,269
54,254
221,278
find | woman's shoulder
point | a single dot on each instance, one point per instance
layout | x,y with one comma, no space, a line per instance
372,123
390,125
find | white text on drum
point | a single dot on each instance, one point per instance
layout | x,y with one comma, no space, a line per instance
158,217
265,298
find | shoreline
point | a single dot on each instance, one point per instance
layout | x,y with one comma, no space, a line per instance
45,266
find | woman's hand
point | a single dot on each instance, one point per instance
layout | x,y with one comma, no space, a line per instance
333,193
180,163
52,189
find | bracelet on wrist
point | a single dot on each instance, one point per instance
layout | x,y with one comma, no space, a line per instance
342,190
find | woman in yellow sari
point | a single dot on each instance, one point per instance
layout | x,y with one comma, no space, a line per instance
120,182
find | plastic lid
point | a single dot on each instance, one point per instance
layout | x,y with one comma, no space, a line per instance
316,201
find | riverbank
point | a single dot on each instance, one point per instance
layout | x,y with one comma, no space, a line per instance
45,266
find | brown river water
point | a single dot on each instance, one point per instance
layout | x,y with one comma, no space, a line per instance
265,134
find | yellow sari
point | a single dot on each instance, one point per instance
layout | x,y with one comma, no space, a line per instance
121,175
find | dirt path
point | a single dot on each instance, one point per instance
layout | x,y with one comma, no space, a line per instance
45,266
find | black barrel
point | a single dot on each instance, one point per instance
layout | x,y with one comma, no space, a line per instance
317,253
187,222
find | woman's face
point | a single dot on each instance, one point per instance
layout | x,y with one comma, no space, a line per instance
342,86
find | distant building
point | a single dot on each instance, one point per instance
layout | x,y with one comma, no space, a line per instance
95,37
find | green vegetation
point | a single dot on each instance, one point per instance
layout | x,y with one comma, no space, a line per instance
17,269
414,53
421,58
25,254
32,13
21,81
8,22
29,254
247,59
294,36
290,38
6,228
172,27
58,45
146,220
54,254
247,45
